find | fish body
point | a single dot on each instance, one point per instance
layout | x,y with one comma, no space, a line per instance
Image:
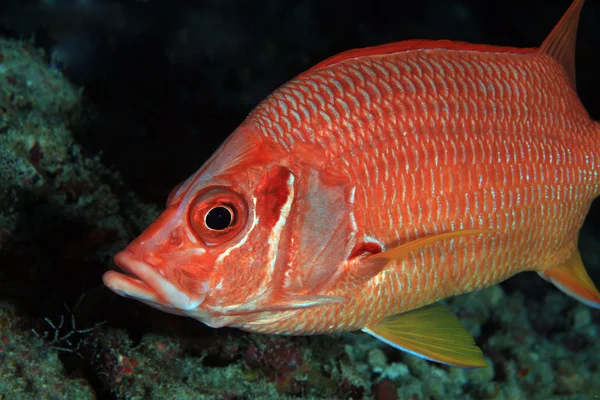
377,183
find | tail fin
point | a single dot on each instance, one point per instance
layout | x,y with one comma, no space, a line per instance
560,43
572,278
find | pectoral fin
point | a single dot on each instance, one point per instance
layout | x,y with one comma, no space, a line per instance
572,278
374,264
432,333
406,248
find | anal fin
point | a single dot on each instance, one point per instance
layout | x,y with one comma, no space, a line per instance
432,333
572,278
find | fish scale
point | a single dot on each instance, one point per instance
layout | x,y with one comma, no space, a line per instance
519,138
376,183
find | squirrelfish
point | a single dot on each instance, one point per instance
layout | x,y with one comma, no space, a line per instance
377,183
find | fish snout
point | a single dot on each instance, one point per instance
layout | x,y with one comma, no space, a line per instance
143,281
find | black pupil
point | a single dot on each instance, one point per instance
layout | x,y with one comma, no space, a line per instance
218,218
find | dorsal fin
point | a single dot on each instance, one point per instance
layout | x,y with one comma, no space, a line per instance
560,43
416,44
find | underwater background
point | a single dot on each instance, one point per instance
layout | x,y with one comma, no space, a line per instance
106,105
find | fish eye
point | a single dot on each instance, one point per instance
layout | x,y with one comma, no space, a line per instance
217,214
219,218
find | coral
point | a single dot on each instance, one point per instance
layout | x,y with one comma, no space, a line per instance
281,360
159,367
385,390
29,369
13,170
36,104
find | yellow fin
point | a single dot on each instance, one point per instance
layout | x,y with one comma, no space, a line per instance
407,248
572,278
432,333
560,43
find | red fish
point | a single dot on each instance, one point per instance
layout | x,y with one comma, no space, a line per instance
376,183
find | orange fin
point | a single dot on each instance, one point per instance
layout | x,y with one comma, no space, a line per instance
406,248
572,278
432,333
374,264
560,43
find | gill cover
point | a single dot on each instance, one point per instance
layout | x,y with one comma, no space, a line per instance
322,229
308,213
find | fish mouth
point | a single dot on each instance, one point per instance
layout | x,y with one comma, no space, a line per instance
143,282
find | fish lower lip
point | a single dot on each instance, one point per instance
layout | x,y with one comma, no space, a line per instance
128,286
141,281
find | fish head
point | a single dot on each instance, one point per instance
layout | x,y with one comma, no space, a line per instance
241,241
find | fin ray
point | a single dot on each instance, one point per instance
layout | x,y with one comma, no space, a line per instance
560,43
375,263
433,333
300,302
572,278
409,247
415,44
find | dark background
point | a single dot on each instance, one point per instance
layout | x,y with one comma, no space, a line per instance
167,81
